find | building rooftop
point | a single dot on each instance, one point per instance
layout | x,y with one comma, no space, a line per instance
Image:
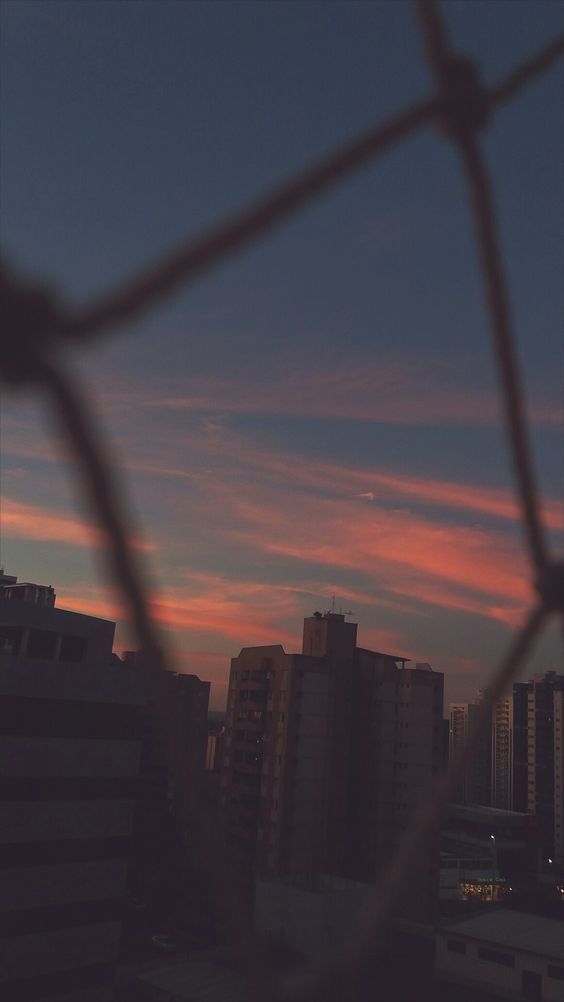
380,654
517,930
479,811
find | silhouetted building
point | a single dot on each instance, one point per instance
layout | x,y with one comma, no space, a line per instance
171,776
507,954
559,775
397,756
475,785
216,732
326,754
524,749
502,753
71,741
508,838
544,758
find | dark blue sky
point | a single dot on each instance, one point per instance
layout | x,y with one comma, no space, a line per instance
354,336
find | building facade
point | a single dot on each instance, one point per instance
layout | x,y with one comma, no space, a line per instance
327,754
559,775
502,754
475,786
507,954
544,769
70,750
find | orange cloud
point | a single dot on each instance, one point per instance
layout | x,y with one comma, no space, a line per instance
398,551
27,521
97,604
371,484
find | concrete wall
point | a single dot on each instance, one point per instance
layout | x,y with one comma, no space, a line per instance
470,968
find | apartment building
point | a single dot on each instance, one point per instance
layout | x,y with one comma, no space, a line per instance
326,755
559,775
544,759
502,754
70,742
475,786
397,758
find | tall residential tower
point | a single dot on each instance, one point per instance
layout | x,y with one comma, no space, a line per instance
327,753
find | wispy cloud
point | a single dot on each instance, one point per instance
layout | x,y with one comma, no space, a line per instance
364,482
388,392
27,521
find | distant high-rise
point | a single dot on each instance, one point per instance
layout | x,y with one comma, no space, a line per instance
502,753
524,747
475,785
397,756
544,755
559,773
326,754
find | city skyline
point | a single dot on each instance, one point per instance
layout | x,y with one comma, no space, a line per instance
319,417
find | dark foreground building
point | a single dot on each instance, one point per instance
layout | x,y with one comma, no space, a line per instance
70,740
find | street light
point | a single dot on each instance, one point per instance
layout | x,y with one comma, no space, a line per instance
494,858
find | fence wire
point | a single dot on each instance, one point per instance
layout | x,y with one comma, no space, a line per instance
37,325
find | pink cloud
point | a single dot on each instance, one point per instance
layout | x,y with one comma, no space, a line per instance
399,552
26,521
371,484
387,391
29,521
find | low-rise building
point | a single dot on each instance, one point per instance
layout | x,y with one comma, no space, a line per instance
509,953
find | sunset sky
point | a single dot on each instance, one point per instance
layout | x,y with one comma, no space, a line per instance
318,416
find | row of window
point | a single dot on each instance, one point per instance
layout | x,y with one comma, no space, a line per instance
251,676
41,644
250,715
251,737
254,695
500,957
253,758
246,778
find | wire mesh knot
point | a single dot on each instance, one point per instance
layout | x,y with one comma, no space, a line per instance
550,586
31,319
465,103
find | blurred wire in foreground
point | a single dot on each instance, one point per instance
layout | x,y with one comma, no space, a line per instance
36,324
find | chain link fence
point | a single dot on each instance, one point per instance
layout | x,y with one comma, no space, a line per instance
37,326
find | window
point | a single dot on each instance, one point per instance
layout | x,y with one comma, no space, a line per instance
555,972
10,639
72,649
42,644
496,957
